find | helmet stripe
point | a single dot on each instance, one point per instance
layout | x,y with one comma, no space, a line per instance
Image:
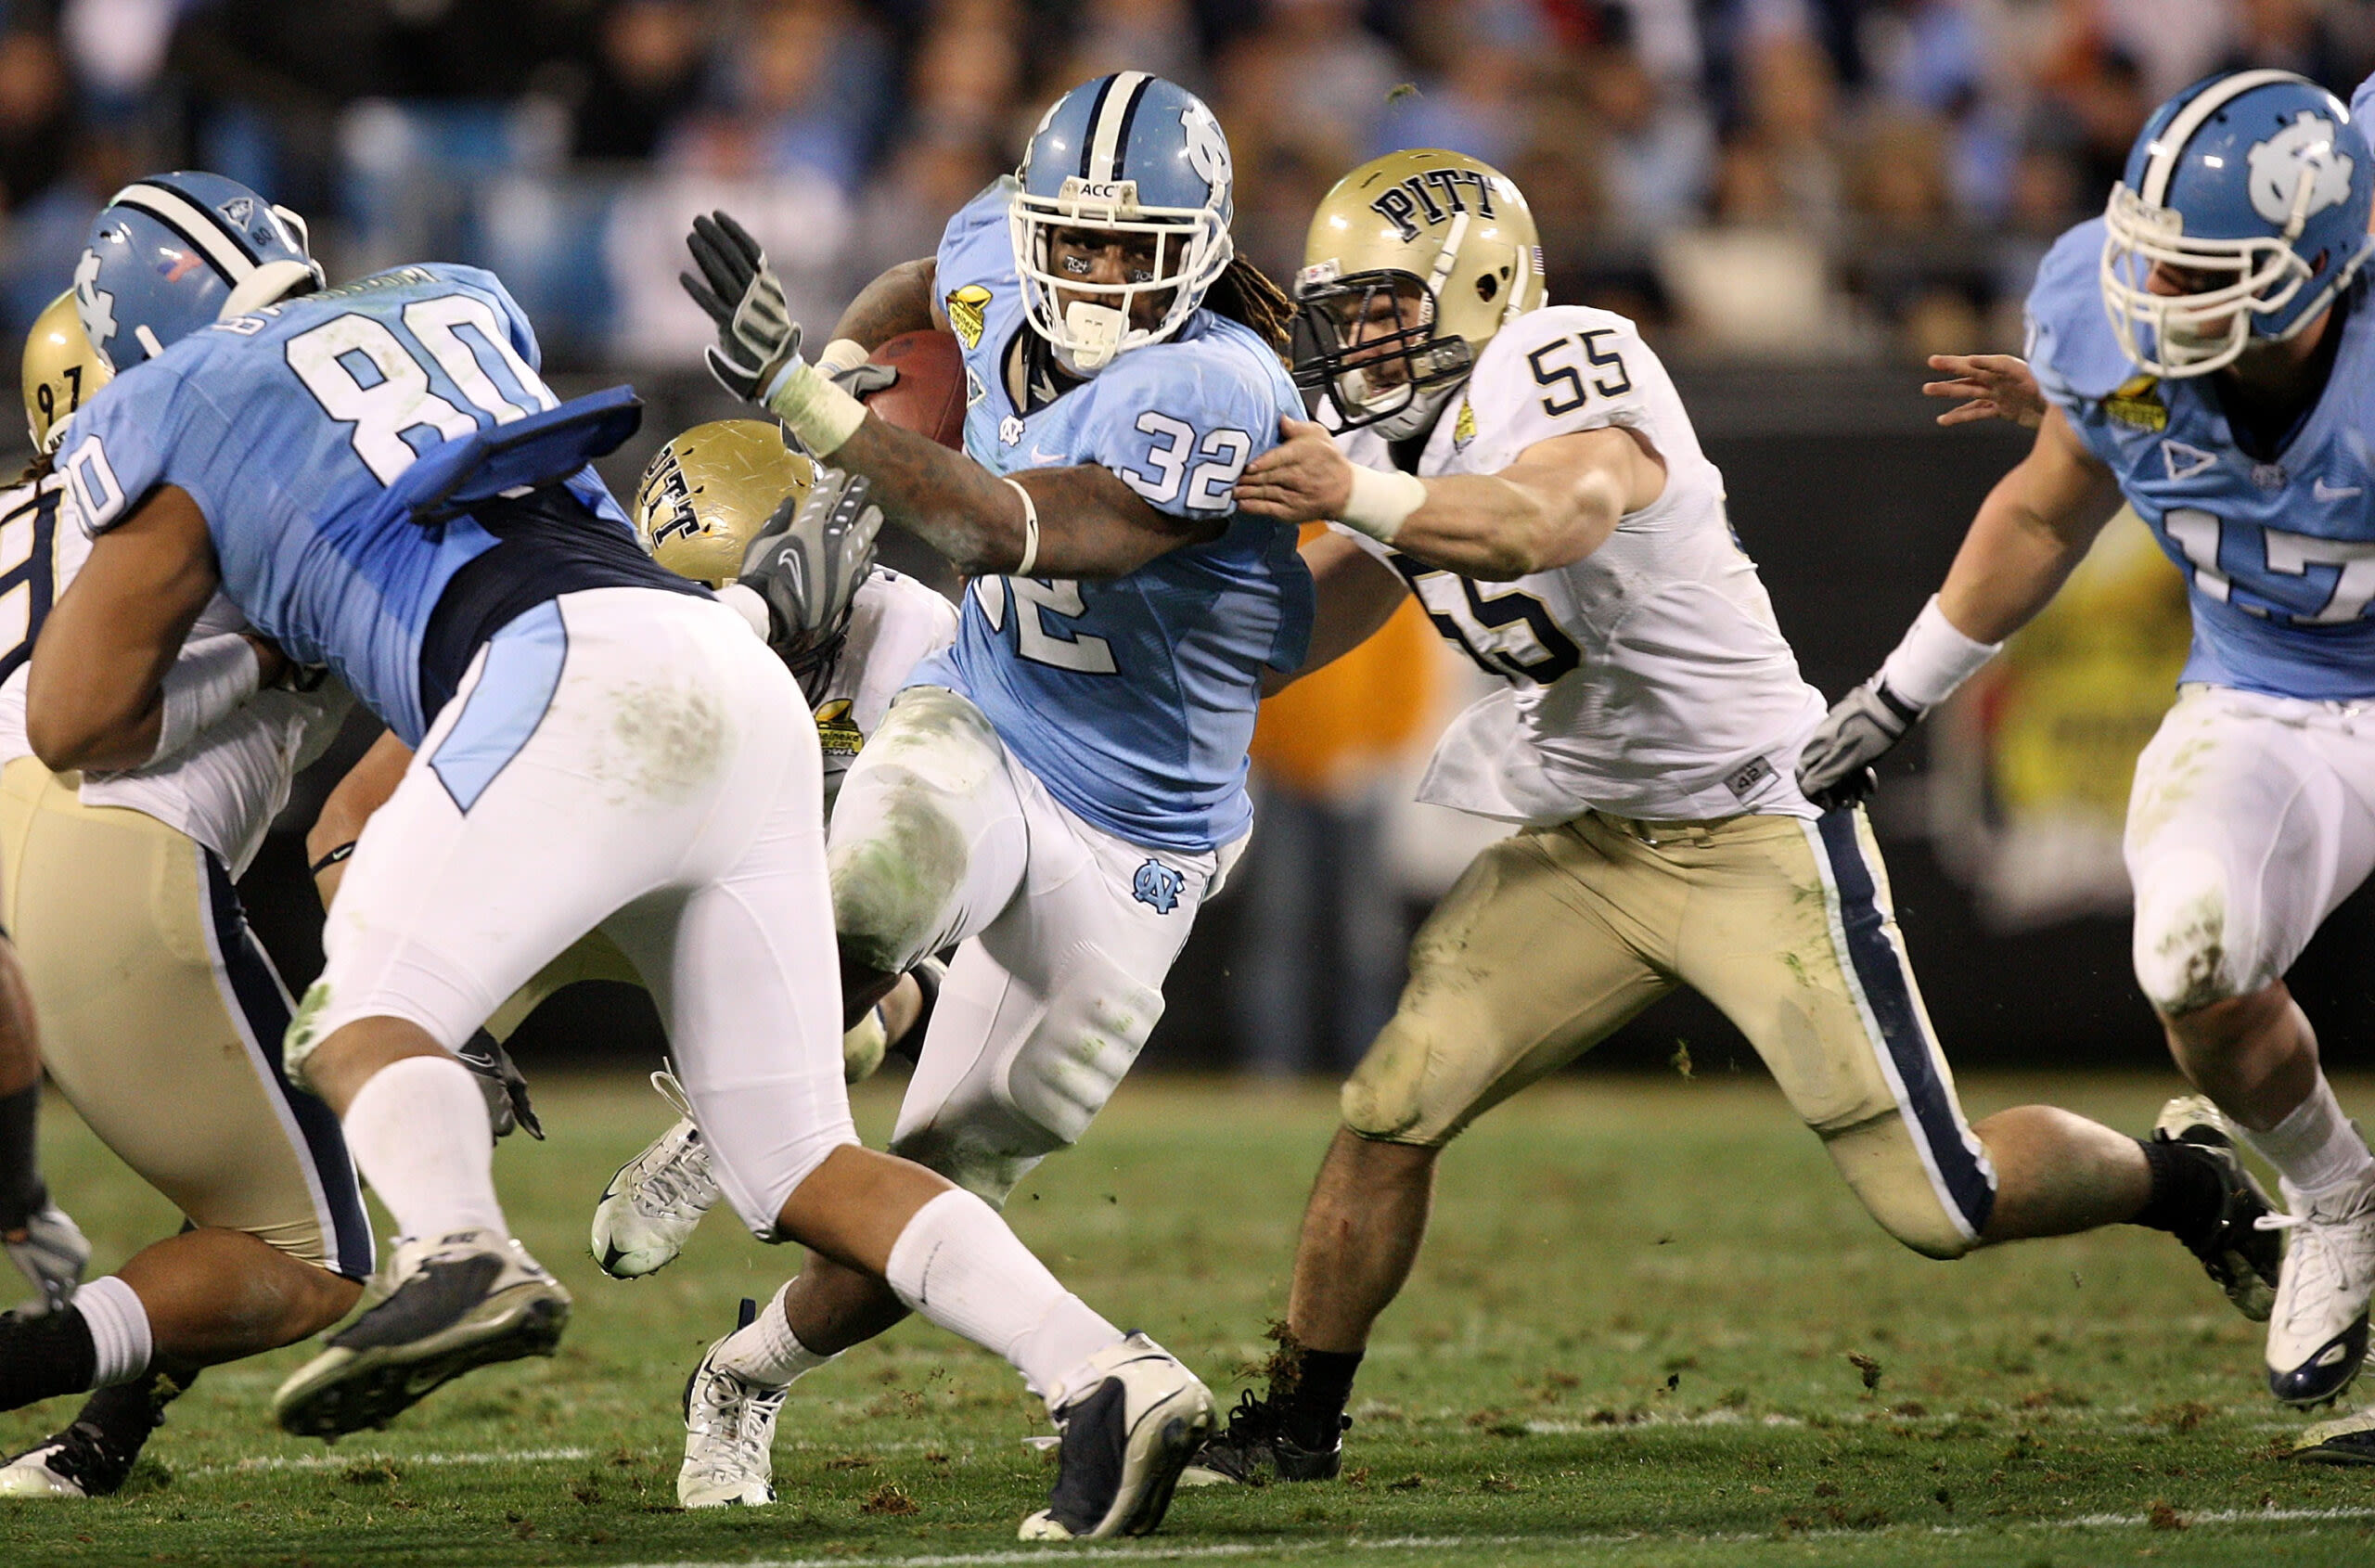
2161,166
194,224
1110,123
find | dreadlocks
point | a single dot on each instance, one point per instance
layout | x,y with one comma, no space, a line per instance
1244,294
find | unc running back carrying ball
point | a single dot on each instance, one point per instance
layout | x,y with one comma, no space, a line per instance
2207,349
1057,793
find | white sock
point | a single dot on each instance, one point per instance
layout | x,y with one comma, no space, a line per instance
768,1352
958,1265
418,1134
2315,1147
118,1325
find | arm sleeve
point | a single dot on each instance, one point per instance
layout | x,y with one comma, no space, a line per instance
1179,427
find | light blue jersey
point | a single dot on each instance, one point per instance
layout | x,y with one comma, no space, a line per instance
1133,700
2280,553
289,428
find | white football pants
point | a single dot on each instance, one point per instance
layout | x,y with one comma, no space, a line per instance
941,838
635,759
2252,818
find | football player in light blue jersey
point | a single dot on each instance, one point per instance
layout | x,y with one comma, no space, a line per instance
377,475
1057,793
2208,352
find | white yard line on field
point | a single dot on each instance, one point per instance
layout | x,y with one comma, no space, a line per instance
360,1455
1158,1552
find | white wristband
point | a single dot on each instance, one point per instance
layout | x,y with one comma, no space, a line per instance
1934,658
744,600
843,354
819,413
1381,501
207,683
1029,532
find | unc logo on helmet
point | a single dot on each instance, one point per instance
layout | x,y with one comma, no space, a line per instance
2302,152
1157,886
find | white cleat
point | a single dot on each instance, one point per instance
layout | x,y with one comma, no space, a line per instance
2318,1336
70,1465
52,1255
729,1435
657,1200
1131,1419
466,1299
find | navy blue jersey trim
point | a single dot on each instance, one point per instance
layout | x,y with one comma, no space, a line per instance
1889,991
262,1002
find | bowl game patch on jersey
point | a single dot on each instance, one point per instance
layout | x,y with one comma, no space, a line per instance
836,729
2136,401
968,310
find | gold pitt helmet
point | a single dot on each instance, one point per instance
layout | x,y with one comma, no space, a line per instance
713,490
61,370
1414,262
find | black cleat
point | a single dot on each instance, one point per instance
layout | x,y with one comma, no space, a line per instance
78,1462
1255,1450
2241,1257
1127,1433
2347,1440
462,1300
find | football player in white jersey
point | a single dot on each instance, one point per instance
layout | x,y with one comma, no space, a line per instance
164,1013
1529,472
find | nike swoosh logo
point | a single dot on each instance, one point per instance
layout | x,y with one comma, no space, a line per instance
2324,491
1039,456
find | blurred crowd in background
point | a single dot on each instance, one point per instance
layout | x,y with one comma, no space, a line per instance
1809,179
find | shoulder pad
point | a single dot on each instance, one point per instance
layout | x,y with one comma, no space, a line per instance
2071,346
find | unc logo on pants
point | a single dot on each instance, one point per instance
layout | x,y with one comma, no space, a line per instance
1157,886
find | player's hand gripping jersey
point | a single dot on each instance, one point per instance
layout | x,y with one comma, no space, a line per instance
2277,548
226,788
1132,700
1648,680
289,426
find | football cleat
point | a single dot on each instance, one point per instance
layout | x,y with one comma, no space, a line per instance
655,1200
466,1299
2347,1440
1138,1416
73,1463
729,1435
52,1255
1254,1450
2240,1255
2316,1336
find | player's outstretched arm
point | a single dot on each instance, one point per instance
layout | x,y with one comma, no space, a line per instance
1354,595
364,790
2031,531
1557,503
99,694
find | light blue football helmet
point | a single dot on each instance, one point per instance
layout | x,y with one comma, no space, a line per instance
2256,178
1127,153
175,252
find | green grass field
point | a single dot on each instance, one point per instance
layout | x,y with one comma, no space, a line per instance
1628,1343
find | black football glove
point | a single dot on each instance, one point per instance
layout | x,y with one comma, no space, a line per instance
500,1082
757,338
788,566
1835,769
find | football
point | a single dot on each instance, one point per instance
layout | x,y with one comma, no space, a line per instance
929,397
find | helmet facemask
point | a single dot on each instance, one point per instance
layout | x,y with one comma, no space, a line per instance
2202,330
1088,324
1367,342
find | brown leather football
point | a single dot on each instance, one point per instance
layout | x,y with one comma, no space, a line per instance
929,397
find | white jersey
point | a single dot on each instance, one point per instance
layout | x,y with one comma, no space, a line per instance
1648,680
895,623
225,790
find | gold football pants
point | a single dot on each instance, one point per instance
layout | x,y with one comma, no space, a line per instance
1555,937
160,1019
